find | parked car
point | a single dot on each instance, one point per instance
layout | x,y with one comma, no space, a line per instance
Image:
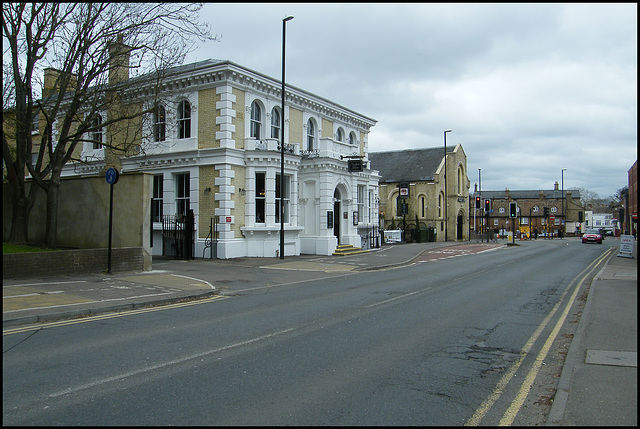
592,236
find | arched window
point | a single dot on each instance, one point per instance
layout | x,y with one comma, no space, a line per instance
275,124
460,180
423,206
440,198
311,135
352,138
159,124
256,121
97,133
340,135
184,120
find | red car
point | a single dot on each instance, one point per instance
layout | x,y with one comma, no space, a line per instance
592,236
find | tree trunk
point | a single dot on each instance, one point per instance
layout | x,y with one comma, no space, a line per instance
53,193
21,209
21,205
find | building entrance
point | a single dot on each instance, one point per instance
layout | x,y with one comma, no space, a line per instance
336,214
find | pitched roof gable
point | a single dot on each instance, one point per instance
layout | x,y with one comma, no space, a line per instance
413,165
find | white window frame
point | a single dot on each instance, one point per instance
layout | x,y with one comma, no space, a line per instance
362,192
183,193
311,135
261,197
286,199
255,127
157,198
276,123
159,123
97,135
184,119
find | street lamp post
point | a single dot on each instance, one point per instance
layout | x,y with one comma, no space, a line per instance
284,30
481,211
446,219
563,227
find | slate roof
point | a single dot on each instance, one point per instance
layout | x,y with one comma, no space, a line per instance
413,165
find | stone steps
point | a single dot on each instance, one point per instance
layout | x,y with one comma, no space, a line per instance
347,249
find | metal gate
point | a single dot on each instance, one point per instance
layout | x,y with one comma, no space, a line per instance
177,236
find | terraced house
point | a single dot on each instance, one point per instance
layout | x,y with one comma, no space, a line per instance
212,146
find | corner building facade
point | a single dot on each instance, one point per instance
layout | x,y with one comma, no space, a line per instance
213,146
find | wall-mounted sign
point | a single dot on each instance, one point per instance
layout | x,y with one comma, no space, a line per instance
355,165
329,219
355,218
404,189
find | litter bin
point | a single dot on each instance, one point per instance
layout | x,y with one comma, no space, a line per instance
431,234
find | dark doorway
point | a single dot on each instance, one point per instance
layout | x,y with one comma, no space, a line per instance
460,226
336,214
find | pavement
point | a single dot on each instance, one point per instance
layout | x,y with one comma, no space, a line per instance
598,384
599,381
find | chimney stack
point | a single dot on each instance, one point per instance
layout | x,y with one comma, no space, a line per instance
119,54
53,80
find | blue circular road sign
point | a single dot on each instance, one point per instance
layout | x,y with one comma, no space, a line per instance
112,176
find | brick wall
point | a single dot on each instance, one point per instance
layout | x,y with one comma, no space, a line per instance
78,261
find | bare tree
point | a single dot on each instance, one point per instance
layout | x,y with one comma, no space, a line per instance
99,53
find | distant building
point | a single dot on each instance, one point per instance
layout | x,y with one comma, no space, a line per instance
602,221
412,187
568,213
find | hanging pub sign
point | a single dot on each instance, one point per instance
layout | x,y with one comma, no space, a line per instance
355,165
404,189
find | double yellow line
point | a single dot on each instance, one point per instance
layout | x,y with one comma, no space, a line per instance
104,316
510,415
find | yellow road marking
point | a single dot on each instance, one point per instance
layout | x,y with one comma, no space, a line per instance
511,413
97,317
506,378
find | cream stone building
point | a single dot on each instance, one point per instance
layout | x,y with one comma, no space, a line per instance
412,186
213,146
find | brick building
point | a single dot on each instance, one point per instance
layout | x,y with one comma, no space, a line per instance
568,212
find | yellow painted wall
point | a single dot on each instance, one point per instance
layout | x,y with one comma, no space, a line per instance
207,114
207,208
327,128
238,121
295,127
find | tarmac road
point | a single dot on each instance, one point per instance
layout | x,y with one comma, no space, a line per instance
597,384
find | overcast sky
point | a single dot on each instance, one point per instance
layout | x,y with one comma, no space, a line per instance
528,89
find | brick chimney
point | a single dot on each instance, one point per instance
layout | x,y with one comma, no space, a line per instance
52,82
119,54
555,186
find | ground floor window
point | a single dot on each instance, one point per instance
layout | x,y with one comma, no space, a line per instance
182,193
156,200
260,197
285,200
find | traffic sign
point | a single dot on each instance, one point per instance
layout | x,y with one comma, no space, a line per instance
552,218
112,176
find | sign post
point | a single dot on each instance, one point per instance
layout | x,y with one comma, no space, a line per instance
112,178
